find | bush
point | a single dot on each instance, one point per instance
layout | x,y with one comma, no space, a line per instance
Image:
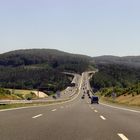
4,91
30,96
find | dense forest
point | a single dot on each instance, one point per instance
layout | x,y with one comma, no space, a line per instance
39,68
130,61
117,78
110,75
53,58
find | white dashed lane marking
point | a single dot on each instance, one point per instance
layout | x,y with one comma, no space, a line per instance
95,111
37,116
54,110
102,117
122,136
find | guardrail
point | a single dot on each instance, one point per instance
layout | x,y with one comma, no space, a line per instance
4,102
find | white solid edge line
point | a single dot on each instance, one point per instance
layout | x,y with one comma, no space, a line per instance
122,136
102,117
54,110
37,116
135,111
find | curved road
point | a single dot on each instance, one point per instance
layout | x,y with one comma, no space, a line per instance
74,120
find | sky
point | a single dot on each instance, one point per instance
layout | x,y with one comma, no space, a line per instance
90,27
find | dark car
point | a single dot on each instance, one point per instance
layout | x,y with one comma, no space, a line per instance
94,99
83,97
54,97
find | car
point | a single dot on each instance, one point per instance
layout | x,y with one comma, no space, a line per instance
94,99
54,97
89,96
83,97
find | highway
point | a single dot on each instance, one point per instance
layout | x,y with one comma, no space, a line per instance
76,119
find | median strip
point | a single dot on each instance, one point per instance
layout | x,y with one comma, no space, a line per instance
122,136
37,116
102,117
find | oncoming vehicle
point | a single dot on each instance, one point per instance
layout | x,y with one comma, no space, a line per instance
94,99
83,97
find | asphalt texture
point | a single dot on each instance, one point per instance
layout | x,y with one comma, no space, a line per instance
74,120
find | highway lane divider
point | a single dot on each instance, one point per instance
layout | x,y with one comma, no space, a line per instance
95,111
102,117
122,136
54,110
37,116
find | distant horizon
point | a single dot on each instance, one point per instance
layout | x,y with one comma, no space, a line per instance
68,52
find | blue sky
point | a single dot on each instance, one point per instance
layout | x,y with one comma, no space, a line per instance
91,27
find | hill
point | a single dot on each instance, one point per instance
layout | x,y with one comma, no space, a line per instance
114,71
133,61
40,56
36,68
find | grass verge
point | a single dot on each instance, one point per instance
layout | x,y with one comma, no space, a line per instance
17,105
124,103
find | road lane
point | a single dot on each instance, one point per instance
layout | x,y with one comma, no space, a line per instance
125,121
78,121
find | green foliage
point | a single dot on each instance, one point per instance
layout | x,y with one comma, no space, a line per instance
118,79
4,91
39,68
133,90
55,59
22,78
19,95
30,96
114,75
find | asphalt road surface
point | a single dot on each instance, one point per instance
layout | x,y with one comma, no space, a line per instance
74,120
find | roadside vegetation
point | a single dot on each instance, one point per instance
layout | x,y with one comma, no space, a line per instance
39,69
127,96
13,94
118,83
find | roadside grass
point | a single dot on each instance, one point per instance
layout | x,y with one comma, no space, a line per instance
22,94
10,97
20,91
8,106
127,100
17,105
27,92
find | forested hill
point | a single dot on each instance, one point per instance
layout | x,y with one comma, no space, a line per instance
35,68
120,72
40,56
133,61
